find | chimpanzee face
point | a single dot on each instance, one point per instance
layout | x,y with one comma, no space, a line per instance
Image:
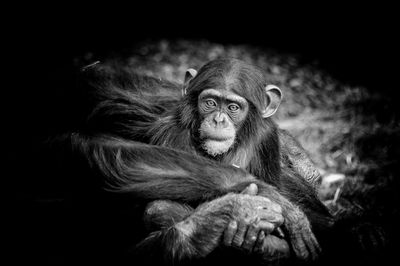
222,112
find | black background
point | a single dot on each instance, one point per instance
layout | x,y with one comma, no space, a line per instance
355,44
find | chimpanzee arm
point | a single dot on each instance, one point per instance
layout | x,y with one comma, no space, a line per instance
200,233
162,214
265,248
165,213
293,155
150,173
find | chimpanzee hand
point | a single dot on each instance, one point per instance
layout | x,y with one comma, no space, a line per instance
271,248
300,235
198,232
239,233
201,232
296,226
246,233
239,229
254,238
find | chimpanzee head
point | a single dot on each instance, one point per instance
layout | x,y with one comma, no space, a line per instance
229,99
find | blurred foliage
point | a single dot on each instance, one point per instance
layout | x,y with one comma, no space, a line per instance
346,129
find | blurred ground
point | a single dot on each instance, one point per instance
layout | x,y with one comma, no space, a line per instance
352,133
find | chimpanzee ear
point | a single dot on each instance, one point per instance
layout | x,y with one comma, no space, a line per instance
274,100
190,74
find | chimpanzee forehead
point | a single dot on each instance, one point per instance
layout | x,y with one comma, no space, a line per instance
229,95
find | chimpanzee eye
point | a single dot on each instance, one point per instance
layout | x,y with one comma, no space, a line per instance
211,103
233,107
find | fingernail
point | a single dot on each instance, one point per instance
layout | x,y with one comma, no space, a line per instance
280,232
272,218
254,188
276,208
233,224
257,220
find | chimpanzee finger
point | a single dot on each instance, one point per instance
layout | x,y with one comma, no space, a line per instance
280,232
272,206
229,233
240,233
271,217
306,246
266,227
251,237
251,189
275,248
258,247
299,248
313,246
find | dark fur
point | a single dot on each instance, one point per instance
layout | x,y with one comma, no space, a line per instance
128,111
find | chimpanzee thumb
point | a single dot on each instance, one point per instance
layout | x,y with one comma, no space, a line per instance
251,189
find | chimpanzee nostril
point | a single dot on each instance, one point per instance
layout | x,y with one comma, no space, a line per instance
220,119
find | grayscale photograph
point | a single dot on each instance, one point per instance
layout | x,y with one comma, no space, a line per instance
202,136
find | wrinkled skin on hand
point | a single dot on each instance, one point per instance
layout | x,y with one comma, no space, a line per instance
246,221
296,227
300,236
256,238
243,230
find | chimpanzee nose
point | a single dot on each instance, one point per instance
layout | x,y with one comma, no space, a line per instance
220,119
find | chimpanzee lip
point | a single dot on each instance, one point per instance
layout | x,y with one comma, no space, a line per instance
214,138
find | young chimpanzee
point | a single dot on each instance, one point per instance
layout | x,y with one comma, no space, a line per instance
206,167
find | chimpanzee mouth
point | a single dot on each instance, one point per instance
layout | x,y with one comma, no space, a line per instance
217,137
214,138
